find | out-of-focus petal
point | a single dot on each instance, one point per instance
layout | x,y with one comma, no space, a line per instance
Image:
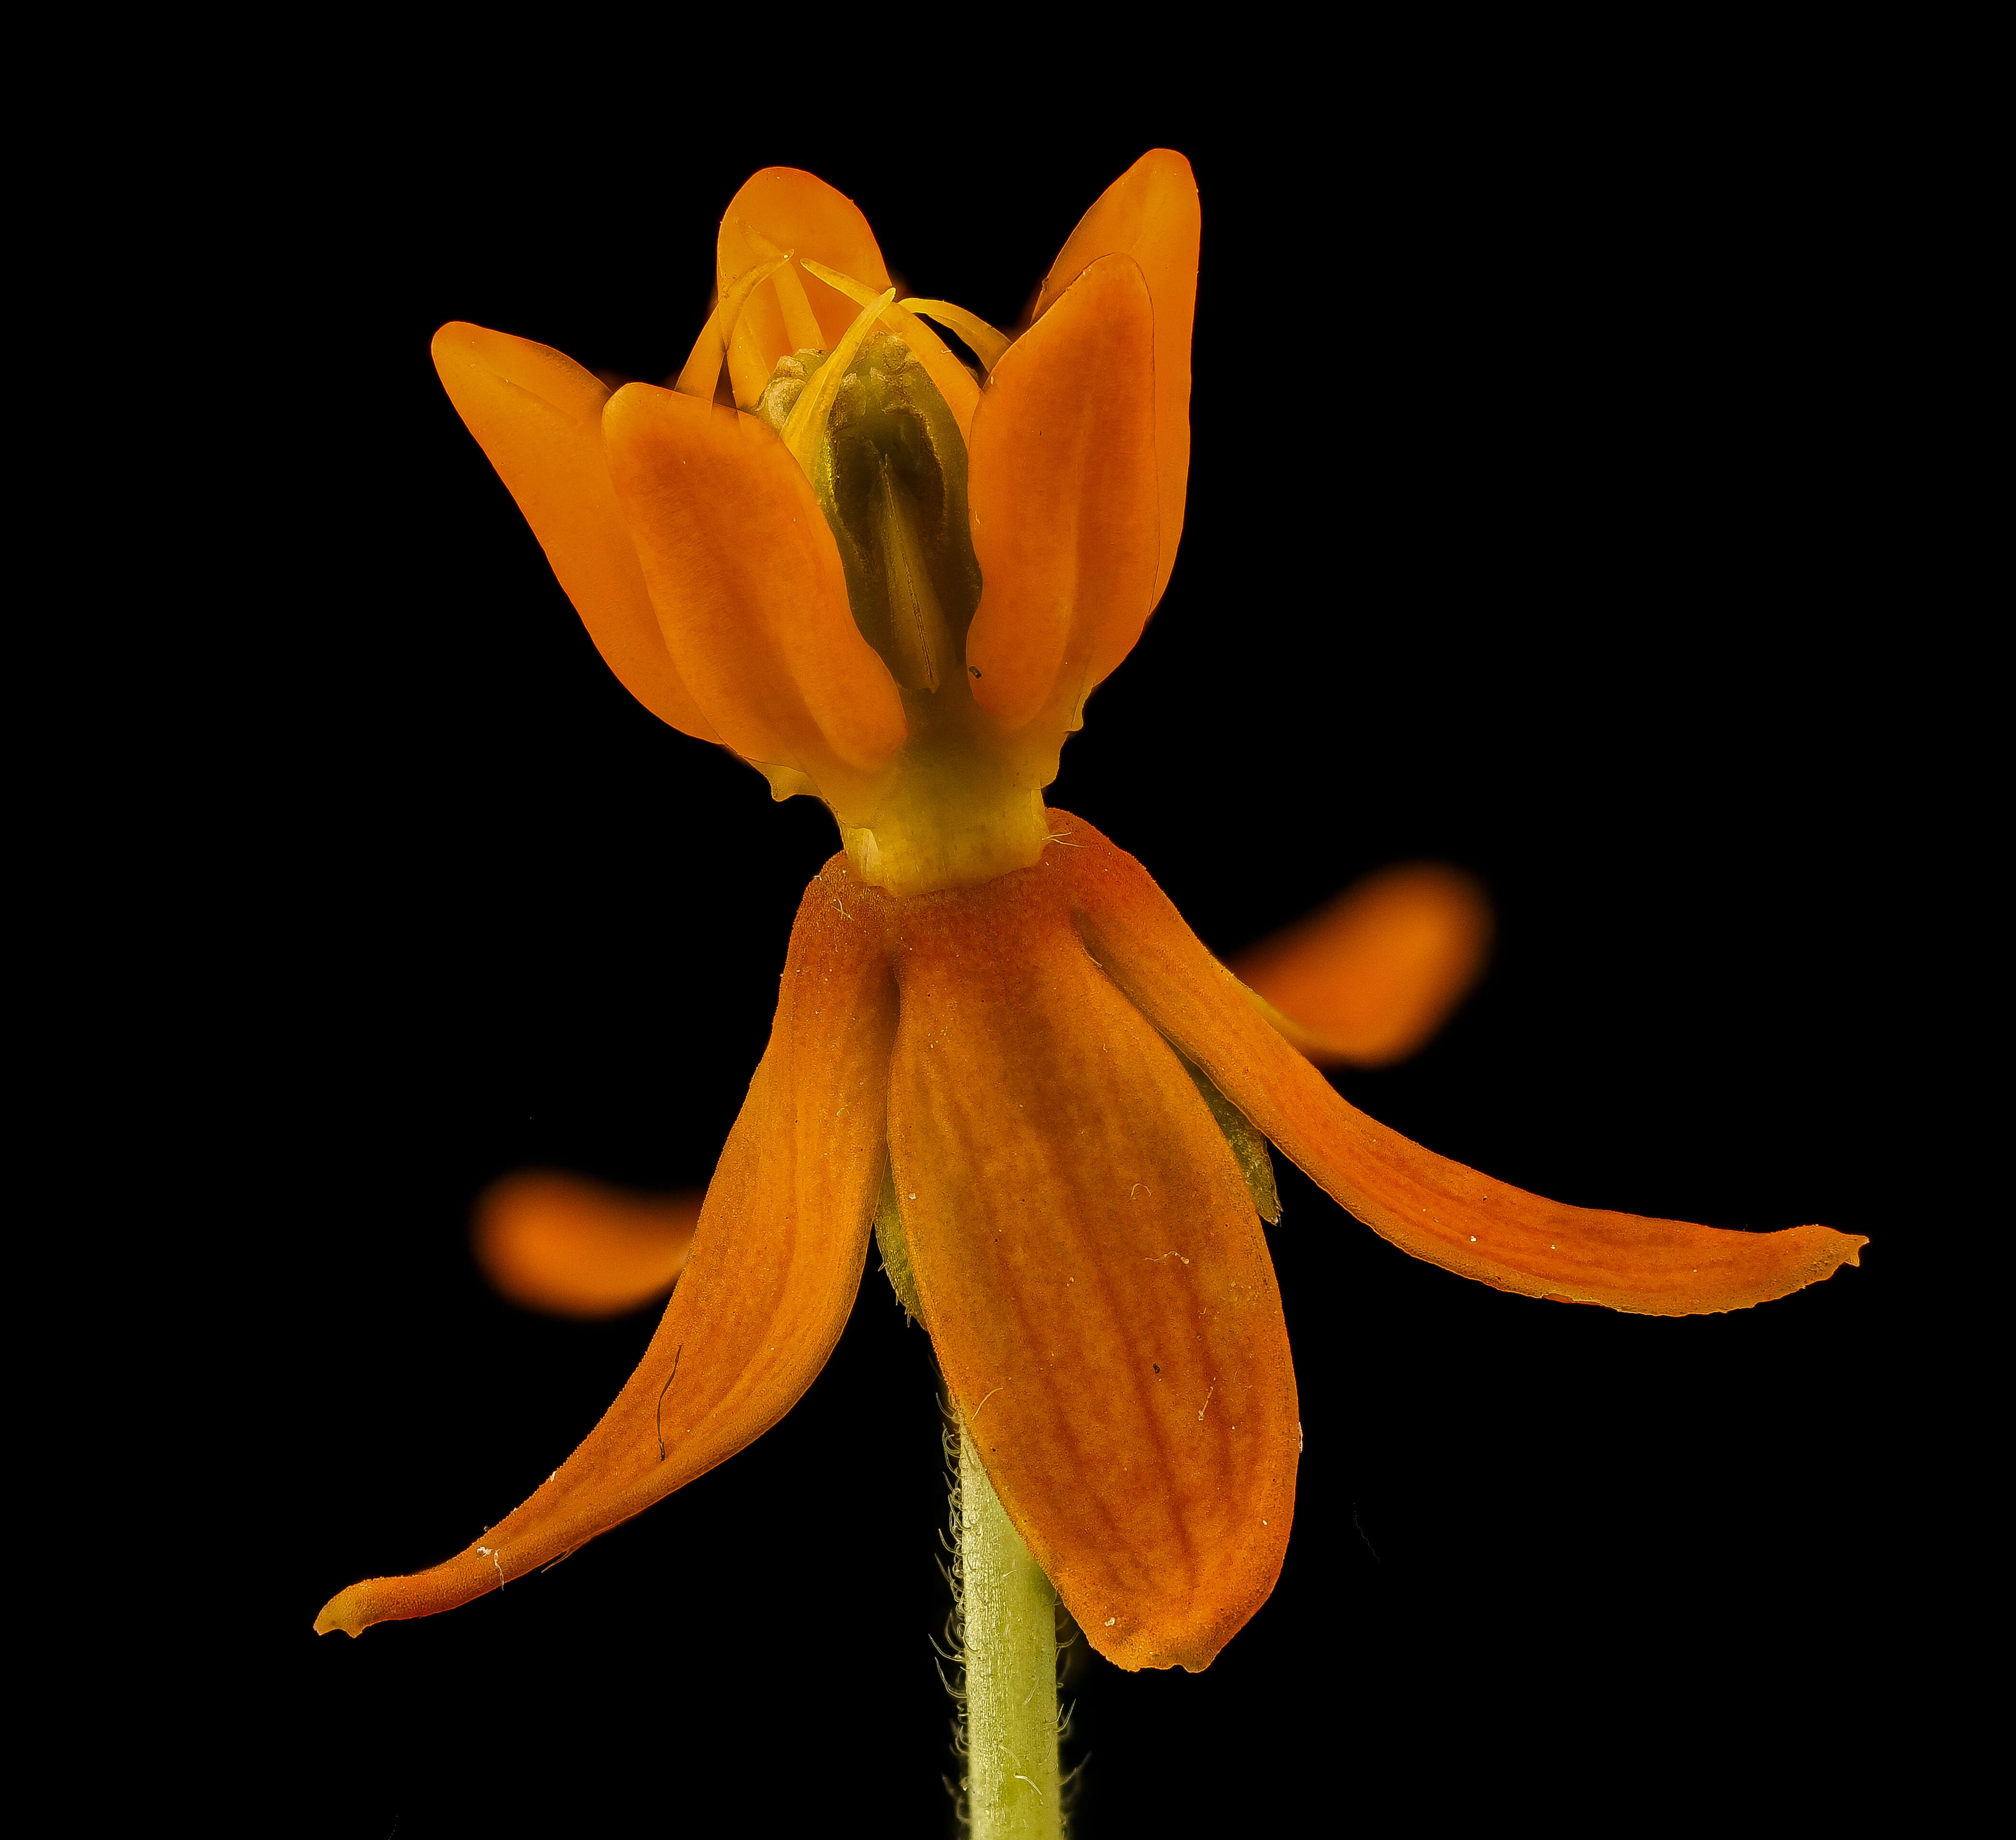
781,208
1062,490
538,415
1151,213
1092,1273
748,587
1426,1205
569,1246
771,1276
1370,977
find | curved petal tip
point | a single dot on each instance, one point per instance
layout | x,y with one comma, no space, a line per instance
344,1611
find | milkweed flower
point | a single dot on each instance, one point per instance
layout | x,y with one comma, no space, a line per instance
891,579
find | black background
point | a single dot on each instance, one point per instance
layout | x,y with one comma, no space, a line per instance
1521,534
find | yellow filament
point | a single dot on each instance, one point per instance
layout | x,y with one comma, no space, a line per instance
702,368
954,381
808,419
988,344
858,291
801,325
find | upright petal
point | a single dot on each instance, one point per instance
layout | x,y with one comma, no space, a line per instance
1426,1205
781,208
1151,213
538,415
748,588
1092,1273
773,1272
1062,490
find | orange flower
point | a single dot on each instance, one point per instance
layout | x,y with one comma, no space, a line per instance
891,582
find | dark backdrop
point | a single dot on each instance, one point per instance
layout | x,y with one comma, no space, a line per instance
1515,538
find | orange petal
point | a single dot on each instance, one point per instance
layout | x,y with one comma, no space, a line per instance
773,1272
1063,495
782,208
1370,978
1094,1278
1426,1205
538,415
1151,213
748,588
700,375
573,1247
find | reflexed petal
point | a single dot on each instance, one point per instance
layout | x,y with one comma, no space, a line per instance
1093,1275
1426,1205
538,415
748,588
1370,977
772,1275
1151,213
572,1248
1062,490
782,208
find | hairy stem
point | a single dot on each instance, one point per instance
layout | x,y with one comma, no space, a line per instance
1011,1670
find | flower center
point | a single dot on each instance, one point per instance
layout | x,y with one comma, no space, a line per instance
886,460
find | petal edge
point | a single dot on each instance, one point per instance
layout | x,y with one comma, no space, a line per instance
1428,1205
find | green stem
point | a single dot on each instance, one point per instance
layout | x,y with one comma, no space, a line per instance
1010,1621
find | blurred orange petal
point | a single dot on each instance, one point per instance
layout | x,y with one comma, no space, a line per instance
1150,213
772,1273
1427,1204
1369,978
1062,490
569,1247
747,585
538,415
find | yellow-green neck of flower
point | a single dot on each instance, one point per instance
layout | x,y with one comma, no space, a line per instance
888,462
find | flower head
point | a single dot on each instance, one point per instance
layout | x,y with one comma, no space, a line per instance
877,578
892,582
